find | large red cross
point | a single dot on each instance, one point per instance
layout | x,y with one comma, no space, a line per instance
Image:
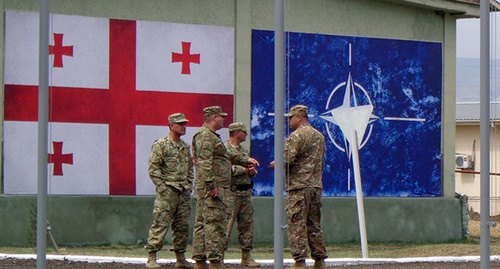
121,106
58,158
186,58
58,50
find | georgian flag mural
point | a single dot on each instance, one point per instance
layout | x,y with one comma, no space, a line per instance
112,85
388,91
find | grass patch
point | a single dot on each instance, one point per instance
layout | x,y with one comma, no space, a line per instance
466,247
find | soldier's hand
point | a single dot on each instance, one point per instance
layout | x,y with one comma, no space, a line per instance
271,165
253,162
213,193
250,171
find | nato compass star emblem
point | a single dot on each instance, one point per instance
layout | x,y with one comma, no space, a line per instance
354,116
351,115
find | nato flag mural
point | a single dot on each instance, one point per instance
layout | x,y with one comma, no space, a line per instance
387,91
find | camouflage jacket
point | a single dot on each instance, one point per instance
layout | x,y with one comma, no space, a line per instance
304,158
170,164
238,156
211,161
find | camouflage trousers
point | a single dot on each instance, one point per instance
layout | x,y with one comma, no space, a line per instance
303,208
171,208
209,234
241,211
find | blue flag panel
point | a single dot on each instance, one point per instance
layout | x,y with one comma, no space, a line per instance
388,91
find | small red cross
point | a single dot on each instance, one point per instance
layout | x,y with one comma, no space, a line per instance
57,158
185,58
58,50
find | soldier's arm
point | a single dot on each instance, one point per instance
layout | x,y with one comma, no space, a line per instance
237,170
237,164
291,149
205,162
244,159
190,177
154,169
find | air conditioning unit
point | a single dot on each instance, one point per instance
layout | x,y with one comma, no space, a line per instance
463,161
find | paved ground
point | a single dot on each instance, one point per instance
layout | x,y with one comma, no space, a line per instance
57,262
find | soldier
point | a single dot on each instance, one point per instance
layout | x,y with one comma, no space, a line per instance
213,174
211,186
171,170
304,160
240,198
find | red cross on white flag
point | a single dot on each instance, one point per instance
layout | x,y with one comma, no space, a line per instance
186,58
58,158
58,50
103,110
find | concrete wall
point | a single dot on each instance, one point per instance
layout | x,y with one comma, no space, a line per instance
77,220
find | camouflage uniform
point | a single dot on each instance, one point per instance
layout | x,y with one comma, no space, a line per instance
212,170
240,198
304,160
171,170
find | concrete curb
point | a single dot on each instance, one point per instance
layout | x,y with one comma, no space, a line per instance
329,262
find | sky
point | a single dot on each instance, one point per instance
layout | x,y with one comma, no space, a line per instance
468,48
468,37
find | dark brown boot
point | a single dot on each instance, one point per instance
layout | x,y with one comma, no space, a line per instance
217,265
152,260
181,262
246,259
298,265
201,265
319,264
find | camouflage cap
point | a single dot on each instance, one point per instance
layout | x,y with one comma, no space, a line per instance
298,109
237,126
177,118
213,110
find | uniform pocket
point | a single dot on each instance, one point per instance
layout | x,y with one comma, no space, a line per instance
160,215
171,164
294,207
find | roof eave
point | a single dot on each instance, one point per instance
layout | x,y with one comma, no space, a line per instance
466,122
457,8
474,122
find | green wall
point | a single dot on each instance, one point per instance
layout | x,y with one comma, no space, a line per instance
117,219
77,220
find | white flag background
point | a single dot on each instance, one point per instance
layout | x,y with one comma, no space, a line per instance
87,143
88,37
157,72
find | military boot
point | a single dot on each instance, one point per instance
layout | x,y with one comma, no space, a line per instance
298,265
181,262
152,260
217,265
201,265
319,264
246,259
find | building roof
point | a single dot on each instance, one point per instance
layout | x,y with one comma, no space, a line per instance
469,112
457,8
493,3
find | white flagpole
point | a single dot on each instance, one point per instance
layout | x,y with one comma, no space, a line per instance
485,132
359,195
279,86
43,100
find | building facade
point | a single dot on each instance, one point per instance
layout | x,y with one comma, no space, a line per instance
107,218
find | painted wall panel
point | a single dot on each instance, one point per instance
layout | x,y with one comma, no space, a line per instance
388,90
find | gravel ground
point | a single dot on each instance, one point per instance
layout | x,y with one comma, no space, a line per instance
30,263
